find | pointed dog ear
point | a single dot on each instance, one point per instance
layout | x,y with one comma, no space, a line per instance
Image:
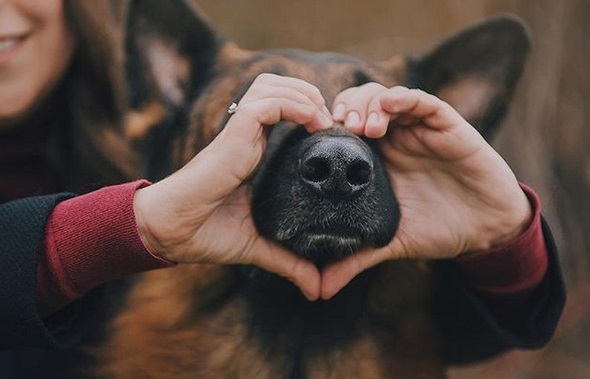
170,50
477,70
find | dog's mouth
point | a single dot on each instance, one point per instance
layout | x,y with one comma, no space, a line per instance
325,246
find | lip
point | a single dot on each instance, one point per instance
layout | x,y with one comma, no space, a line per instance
332,241
10,46
324,249
307,243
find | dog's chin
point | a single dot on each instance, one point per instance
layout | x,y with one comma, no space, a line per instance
324,248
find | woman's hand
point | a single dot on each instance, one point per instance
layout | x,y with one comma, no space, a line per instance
201,213
456,194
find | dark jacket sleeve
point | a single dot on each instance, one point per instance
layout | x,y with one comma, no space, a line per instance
475,326
22,231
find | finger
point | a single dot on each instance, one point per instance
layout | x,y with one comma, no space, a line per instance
339,104
240,145
377,119
300,272
339,274
265,91
355,102
416,103
270,111
308,89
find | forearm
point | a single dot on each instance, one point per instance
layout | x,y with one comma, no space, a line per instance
22,225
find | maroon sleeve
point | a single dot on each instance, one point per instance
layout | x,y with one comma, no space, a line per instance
512,270
89,240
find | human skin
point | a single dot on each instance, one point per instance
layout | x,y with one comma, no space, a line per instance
36,47
457,195
202,212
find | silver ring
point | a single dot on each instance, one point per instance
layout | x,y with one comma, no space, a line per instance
233,108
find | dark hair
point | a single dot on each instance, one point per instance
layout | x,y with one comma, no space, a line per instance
90,149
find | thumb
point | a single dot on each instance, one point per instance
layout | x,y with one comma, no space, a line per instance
298,271
339,274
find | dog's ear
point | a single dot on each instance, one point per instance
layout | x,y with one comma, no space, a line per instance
170,49
477,70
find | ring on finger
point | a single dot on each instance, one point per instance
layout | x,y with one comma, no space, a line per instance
233,108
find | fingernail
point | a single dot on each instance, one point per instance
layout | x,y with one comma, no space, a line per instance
327,120
326,111
352,119
338,112
373,119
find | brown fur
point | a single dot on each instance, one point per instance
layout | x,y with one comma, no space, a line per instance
190,322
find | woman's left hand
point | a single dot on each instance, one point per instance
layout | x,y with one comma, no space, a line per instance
456,193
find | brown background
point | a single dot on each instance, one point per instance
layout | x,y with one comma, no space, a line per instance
546,138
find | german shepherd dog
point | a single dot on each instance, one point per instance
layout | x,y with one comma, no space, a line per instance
209,321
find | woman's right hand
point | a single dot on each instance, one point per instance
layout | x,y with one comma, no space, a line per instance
201,213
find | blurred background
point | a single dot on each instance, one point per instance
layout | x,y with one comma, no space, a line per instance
545,138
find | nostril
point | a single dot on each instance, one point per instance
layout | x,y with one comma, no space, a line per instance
336,167
359,173
315,169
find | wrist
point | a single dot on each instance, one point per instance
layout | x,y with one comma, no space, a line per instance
515,267
516,223
508,226
141,204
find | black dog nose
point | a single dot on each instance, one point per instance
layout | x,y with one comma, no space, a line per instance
337,166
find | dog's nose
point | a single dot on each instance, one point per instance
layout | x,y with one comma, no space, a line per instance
337,167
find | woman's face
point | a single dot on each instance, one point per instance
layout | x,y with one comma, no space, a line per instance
36,47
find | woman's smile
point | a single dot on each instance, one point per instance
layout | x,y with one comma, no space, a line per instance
36,47
9,46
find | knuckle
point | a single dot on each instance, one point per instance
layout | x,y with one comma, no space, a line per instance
375,104
307,111
446,106
254,111
418,92
372,86
311,91
338,99
317,94
344,95
443,105
249,107
399,88
265,77
431,98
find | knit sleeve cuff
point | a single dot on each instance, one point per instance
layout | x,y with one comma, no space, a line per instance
92,239
516,267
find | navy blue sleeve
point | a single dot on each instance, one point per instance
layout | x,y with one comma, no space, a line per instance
22,232
475,327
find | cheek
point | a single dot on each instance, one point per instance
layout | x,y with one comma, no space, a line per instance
41,63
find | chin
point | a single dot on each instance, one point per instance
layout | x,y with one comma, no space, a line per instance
324,248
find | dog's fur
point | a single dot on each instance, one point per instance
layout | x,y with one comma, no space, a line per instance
207,321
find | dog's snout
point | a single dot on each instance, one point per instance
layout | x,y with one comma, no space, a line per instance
336,166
